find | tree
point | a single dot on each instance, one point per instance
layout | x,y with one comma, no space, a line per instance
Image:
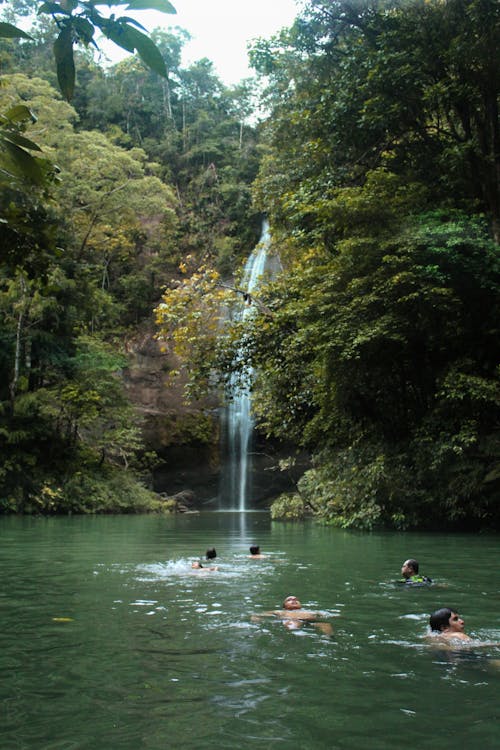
378,349
410,87
71,260
77,23
383,361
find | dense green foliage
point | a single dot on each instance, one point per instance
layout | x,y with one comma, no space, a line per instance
377,348
382,185
99,202
78,22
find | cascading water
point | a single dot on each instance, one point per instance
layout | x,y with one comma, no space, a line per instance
237,419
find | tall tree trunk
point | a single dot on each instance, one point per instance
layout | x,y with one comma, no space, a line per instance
167,101
17,351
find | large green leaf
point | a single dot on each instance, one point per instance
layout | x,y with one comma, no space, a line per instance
148,51
108,3
20,163
63,52
19,113
8,31
20,140
84,29
161,5
49,7
117,34
126,20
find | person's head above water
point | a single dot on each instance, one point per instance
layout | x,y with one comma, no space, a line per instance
446,620
211,553
196,564
255,549
291,602
410,568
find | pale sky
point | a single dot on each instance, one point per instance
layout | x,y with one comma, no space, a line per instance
221,29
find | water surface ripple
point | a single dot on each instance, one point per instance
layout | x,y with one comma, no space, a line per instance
111,641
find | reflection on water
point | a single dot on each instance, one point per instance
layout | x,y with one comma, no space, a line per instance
111,640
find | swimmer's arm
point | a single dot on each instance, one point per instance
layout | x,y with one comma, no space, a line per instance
260,615
482,644
324,627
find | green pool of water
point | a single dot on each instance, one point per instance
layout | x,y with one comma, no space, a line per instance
109,640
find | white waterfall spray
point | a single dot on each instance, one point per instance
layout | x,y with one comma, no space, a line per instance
236,484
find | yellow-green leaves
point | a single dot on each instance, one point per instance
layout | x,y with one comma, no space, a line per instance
15,157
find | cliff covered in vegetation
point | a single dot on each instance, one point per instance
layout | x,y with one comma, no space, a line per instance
375,350
132,177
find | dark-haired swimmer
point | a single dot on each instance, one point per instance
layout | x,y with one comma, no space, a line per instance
410,574
447,624
255,553
293,616
196,565
211,553
448,634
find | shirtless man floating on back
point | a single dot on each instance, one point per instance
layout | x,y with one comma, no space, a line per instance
293,616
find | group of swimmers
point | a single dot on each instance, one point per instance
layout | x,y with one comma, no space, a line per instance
210,555
445,623
292,615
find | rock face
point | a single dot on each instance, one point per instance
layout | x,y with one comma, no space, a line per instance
186,437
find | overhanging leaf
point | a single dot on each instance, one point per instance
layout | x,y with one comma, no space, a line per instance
84,29
20,140
117,34
8,31
148,51
22,163
20,113
49,7
125,20
108,3
63,53
161,5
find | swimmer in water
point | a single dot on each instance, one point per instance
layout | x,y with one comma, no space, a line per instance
211,553
447,632
410,573
255,553
294,617
448,625
196,565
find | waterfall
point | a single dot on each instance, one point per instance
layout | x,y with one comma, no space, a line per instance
237,417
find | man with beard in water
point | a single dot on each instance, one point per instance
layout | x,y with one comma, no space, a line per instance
410,574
